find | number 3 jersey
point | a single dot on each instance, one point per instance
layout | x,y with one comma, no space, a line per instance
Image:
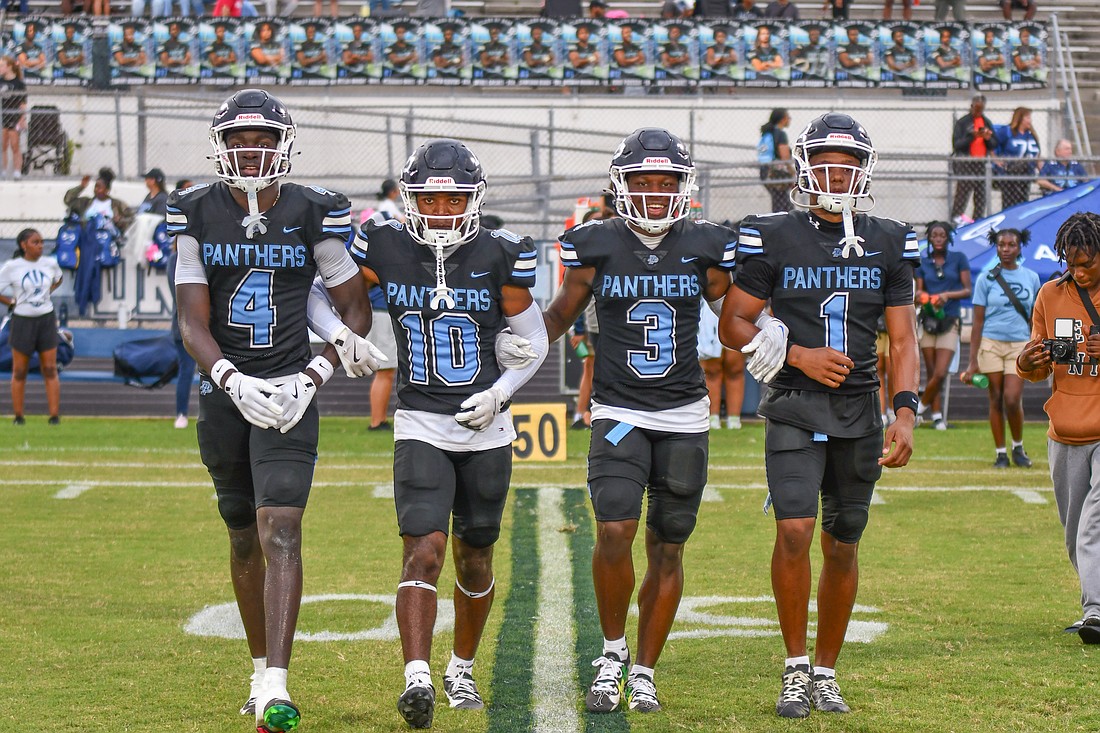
259,286
826,300
647,305
445,351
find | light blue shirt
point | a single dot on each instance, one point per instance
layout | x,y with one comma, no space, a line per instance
1002,321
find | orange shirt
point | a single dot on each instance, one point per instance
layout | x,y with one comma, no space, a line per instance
977,145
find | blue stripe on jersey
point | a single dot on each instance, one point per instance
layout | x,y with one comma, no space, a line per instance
528,255
911,249
337,230
751,250
359,245
750,231
520,273
172,210
175,229
339,212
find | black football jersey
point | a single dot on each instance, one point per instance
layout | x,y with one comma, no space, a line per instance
647,304
445,354
259,287
826,300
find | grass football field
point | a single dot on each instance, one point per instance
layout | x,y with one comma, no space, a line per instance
118,613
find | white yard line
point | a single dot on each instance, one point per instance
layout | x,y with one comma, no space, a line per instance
1030,497
554,687
72,491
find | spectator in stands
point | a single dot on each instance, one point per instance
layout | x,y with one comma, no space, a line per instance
971,142
101,7
1074,433
958,10
100,203
597,9
1061,173
781,9
1003,301
13,116
943,279
744,10
157,197
1028,6
433,9
333,8
674,9
29,278
906,10
839,8
561,8
1018,143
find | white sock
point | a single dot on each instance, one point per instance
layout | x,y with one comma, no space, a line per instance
577,416
733,422
458,665
715,422
275,683
922,408
617,647
415,668
803,661
825,672
1002,451
639,669
937,416
259,666
1017,444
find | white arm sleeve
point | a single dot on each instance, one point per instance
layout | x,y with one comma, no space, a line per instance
188,263
322,319
530,326
334,263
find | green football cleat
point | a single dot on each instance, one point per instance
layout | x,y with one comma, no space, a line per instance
280,716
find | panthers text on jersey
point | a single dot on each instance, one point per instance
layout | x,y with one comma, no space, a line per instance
259,287
445,354
647,304
826,300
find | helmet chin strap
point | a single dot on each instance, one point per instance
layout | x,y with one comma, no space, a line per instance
442,297
843,204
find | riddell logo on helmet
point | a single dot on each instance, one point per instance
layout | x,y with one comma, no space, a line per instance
440,181
839,136
657,161
249,118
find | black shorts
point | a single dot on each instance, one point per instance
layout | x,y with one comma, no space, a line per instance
625,462
432,485
30,334
10,120
593,339
803,465
252,467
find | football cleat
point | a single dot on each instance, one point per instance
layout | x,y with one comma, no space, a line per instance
606,690
794,697
417,703
642,694
256,682
462,692
280,716
827,697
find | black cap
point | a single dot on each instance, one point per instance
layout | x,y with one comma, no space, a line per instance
388,186
597,3
156,174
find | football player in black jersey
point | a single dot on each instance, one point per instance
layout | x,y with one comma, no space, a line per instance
650,414
829,273
248,249
451,288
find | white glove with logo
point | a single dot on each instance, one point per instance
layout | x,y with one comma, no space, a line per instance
252,396
768,349
479,410
359,356
294,396
513,352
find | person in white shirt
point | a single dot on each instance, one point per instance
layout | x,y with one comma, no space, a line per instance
26,282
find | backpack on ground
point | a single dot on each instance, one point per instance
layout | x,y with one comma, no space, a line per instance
144,359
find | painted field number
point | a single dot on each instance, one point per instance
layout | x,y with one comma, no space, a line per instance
540,431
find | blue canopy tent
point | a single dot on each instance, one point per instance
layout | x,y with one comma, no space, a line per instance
1042,216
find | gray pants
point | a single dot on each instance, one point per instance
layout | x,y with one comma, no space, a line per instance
1075,472
958,9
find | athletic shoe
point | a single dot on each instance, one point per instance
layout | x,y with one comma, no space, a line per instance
794,698
54,420
642,694
1002,461
256,682
1020,458
578,424
462,692
19,420
715,422
417,703
384,425
280,716
181,422
733,423
1089,631
606,690
940,424
827,697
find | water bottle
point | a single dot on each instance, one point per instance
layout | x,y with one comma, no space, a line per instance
582,350
980,381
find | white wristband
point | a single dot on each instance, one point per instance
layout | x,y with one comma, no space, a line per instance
321,365
222,368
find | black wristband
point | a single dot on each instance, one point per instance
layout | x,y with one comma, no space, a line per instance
906,399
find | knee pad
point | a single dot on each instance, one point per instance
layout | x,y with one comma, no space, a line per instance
615,498
672,524
844,522
236,512
478,537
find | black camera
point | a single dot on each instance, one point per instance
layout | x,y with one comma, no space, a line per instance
1063,347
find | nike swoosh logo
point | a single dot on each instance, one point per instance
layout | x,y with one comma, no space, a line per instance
478,274
872,254
686,260
288,230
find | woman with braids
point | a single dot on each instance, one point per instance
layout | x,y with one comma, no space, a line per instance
1003,300
1065,344
26,282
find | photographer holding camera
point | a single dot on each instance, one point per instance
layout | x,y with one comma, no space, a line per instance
1066,310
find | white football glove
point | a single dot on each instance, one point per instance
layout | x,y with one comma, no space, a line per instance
513,352
768,350
479,410
255,399
294,396
359,356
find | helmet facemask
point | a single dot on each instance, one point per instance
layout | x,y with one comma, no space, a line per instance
464,226
679,202
228,162
847,202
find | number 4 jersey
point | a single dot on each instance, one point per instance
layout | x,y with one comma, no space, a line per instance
259,287
647,304
445,350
